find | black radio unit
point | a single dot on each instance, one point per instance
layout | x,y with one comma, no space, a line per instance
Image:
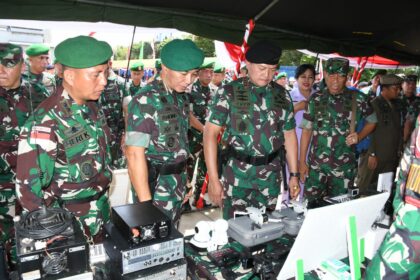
141,222
50,244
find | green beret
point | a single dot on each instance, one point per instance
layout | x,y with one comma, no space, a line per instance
218,68
83,52
379,72
390,79
11,51
280,75
337,65
158,64
137,66
181,55
208,63
37,49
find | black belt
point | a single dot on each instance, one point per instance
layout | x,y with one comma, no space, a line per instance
254,160
171,168
81,200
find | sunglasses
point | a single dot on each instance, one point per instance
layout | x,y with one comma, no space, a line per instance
10,63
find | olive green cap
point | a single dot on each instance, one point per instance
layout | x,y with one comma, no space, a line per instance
37,49
218,68
208,63
390,79
280,75
11,51
158,64
83,52
338,65
137,66
182,55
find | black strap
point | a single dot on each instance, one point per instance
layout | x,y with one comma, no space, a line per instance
254,160
171,168
94,197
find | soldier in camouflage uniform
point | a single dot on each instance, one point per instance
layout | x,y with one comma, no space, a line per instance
327,121
158,69
42,83
219,74
411,102
14,110
58,69
399,255
137,73
63,157
111,102
200,95
156,138
258,115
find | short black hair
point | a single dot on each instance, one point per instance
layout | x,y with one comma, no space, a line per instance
302,69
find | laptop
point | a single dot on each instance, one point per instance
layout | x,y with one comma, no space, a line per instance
323,233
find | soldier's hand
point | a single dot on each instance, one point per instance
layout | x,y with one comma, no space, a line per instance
372,162
294,188
216,192
304,171
352,139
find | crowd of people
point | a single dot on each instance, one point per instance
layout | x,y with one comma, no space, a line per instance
63,134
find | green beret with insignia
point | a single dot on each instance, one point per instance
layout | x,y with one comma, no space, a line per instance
337,65
390,79
10,53
218,68
264,52
208,63
83,52
137,66
158,64
182,55
280,75
37,49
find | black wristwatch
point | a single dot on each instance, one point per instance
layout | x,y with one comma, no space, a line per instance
294,174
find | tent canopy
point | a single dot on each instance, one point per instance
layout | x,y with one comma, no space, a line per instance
362,28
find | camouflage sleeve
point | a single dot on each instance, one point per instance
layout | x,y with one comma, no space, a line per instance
140,121
308,116
290,122
218,110
365,108
37,154
402,171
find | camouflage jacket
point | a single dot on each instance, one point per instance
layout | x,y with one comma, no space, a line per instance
412,107
329,117
158,120
42,86
199,97
408,177
14,110
63,152
246,109
133,90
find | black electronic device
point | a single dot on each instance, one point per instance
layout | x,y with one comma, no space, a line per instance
50,245
176,270
128,257
141,222
224,257
3,262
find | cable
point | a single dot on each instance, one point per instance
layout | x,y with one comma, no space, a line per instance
44,223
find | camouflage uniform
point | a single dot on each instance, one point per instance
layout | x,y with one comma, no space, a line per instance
111,103
255,118
199,97
14,110
412,107
399,255
133,89
158,120
332,164
63,159
42,86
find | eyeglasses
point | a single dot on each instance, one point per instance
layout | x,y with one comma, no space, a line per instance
10,63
